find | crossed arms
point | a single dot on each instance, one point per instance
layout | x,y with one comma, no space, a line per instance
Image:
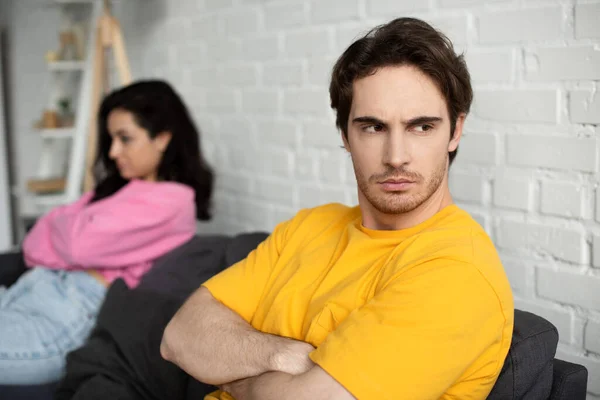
216,346
416,332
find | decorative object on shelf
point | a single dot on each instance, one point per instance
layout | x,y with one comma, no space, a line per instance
50,119
66,116
68,47
51,56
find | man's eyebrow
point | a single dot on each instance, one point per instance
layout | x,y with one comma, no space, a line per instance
423,119
420,120
369,120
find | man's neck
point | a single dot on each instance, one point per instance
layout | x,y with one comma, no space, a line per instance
374,219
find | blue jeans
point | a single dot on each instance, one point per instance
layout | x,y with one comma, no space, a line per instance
43,316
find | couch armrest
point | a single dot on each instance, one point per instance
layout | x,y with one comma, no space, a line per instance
12,266
570,381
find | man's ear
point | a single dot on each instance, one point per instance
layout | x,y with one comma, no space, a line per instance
345,140
458,131
162,140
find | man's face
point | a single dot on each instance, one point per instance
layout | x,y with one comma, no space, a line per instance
399,139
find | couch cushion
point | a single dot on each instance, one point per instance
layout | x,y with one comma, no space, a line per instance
570,381
182,270
12,267
241,245
528,368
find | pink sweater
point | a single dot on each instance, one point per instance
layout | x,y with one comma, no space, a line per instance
119,236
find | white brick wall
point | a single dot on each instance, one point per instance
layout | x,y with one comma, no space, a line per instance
284,15
389,7
592,336
479,148
335,10
525,25
515,193
256,74
516,105
586,21
564,153
564,63
562,199
283,74
569,287
467,187
491,66
561,243
584,107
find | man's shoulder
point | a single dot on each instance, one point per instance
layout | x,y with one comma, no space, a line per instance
460,244
327,214
328,220
455,232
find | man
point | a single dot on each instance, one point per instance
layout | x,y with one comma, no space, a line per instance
402,297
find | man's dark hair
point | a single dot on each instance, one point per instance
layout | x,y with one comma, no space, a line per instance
403,41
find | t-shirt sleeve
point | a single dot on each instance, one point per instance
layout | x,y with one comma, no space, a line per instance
240,287
417,336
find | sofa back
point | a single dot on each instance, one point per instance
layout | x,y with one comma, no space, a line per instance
528,369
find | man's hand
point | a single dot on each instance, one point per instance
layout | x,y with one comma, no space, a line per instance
293,358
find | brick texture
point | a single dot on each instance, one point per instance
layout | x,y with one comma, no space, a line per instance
517,105
525,25
562,243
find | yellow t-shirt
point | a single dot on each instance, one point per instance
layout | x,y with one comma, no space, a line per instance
419,313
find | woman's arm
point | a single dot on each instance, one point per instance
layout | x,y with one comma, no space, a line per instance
39,243
135,226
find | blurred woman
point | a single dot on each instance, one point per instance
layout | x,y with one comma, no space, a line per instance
152,185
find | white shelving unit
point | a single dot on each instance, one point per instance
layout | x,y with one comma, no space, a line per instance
61,166
58,133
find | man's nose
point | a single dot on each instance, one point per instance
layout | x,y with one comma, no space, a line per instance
396,152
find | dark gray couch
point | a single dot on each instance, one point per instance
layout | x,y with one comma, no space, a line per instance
530,371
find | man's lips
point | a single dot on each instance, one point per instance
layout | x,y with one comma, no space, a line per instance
397,181
396,184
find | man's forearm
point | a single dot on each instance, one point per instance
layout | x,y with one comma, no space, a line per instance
315,384
215,345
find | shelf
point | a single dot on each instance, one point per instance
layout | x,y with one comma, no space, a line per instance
58,133
66,65
46,186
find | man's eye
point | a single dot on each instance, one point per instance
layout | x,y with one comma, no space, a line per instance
373,128
423,128
125,139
